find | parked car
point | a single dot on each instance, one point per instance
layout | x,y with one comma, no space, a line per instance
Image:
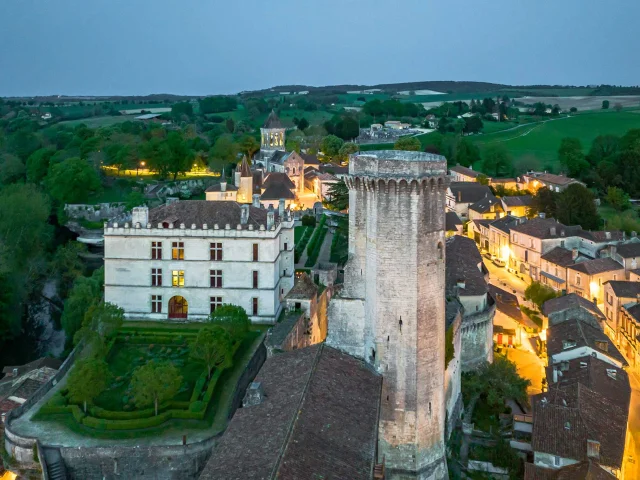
487,255
499,263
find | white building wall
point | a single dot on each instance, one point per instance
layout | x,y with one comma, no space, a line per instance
583,352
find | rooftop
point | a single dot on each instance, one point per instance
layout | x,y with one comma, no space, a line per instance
319,419
633,310
452,220
567,302
629,250
587,470
277,191
559,256
596,266
273,121
624,289
469,172
484,205
463,266
310,159
505,223
469,192
230,187
303,288
245,170
278,177
545,228
600,236
517,200
551,178
402,156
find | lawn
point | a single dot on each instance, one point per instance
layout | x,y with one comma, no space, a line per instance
97,122
542,140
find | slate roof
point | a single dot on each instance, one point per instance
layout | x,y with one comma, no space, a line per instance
463,262
581,334
555,179
517,200
507,303
276,191
279,156
319,419
278,177
484,205
630,250
310,160
452,221
624,289
596,266
600,236
469,172
218,188
559,256
334,169
201,212
273,121
567,302
505,223
634,311
245,170
588,470
469,192
303,288
543,228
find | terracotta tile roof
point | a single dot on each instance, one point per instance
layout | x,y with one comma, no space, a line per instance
624,289
559,256
278,177
555,179
469,192
484,205
468,172
319,419
303,288
570,301
517,200
545,228
272,121
630,250
463,262
574,334
596,266
201,212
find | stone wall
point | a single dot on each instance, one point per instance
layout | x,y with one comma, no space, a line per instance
100,211
571,313
477,338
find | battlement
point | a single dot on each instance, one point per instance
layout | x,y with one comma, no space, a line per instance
397,184
397,164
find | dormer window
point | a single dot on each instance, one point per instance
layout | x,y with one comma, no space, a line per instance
568,344
600,345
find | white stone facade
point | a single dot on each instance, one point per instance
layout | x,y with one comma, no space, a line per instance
257,284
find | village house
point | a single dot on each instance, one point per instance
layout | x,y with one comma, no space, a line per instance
510,325
499,237
461,195
628,255
463,174
517,205
431,120
184,259
598,243
320,183
588,277
569,307
453,224
478,231
630,331
534,181
616,295
486,208
553,269
506,183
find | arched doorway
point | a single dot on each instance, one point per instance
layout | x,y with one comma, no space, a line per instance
178,307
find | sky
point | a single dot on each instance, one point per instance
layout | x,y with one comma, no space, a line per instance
201,47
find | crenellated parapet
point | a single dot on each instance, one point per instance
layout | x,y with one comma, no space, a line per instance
396,185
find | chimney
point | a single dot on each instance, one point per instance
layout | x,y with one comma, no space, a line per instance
555,374
552,231
223,186
270,217
574,254
140,215
281,208
256,200
238,176
542,215
613,250
607,235
254,396
459,196
244,214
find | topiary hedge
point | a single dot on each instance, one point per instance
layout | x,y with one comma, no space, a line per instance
315,244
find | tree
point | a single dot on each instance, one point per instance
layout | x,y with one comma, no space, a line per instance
181,110
347,128
543,201
248,146
179,157
408,143
331,145
12,169
154,383
571,157
88,379
526,163
101,321
482,179
466,153
605,104
303,124
538,293
576,206
72,181
347,149
222,153
38,164
472,124
617,198
213,347
337,198
496,161
603,147
66,265
573,109
134,199
232,318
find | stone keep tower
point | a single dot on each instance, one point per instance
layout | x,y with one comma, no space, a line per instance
391,311
272,136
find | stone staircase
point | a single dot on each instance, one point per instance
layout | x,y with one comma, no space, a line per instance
55,464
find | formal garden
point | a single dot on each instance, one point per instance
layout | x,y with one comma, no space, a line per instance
134,377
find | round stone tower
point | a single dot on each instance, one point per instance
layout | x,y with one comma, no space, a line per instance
391,311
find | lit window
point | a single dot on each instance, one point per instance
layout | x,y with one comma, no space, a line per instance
156,303
215,252
156,250
214,302
156,277
177,250
215,278
177,278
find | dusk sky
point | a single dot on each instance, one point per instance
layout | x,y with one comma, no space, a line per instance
198,47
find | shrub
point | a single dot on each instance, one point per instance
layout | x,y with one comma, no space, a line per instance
196,406
58,400
197,389
309,221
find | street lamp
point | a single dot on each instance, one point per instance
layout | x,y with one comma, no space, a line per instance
141,164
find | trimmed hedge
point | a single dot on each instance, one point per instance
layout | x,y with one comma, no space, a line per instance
312,255
197,389
299,247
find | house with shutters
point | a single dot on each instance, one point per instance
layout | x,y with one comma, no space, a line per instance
461,195
588,277
618,294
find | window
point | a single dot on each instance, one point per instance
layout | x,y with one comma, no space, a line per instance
255,252
215,252
556,461
156,250
515,238
562,243
577,279
156,303
215,278
285,246
615,277
156,277
214,302
254,306
177,278
255,279
177,250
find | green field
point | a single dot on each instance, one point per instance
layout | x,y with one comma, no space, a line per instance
542,140
98,122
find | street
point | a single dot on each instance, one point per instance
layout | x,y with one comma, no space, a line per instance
500,277
632,453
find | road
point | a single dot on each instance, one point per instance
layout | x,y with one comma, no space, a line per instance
632,454
500,277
